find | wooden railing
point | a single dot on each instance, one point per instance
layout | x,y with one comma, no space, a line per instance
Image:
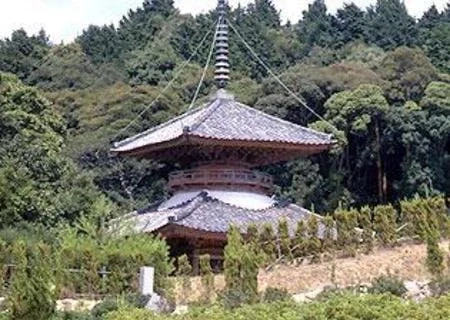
220,177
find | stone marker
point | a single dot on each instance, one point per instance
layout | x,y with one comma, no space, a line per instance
146,278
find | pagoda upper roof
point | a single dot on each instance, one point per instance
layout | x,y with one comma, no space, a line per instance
221,120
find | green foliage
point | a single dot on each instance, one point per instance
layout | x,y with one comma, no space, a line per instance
337,306
267,240
389,25
184,273
242,264
314,246
301,240
37,182
89,249
385,224
21,54
33,288
435,256
207,278
388,284
365,221
271,295
284,239
347,237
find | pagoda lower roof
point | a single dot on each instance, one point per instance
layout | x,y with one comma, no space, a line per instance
224,120
204,213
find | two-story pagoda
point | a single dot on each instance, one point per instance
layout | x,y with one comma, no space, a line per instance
221,143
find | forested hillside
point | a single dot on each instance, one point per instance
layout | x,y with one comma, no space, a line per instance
377,75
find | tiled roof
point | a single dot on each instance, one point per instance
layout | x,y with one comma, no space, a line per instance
204,213
223,118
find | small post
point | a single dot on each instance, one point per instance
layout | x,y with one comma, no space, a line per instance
146,278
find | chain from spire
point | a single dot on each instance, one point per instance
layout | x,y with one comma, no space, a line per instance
222,74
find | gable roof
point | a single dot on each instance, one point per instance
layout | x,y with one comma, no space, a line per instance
225,119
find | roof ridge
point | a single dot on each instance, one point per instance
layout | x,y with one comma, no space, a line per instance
183,216
318,133
213,107
162,125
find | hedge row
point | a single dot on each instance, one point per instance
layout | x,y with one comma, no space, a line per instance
339,306
351,231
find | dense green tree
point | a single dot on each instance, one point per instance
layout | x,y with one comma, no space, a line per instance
350,22
389,25
37,183
358,114
408,72
65,67
435,42
317,28
22,54
100,43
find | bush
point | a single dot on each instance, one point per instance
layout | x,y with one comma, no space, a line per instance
342,306
109,305
388,284
32,294
122,257
274,294
435,256
440,286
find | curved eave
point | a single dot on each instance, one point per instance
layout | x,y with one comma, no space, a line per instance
195,140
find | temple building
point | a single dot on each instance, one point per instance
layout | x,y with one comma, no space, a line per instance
220,144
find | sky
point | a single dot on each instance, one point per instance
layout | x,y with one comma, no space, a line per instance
63,20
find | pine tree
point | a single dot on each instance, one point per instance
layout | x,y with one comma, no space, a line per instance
207,278
267,242
389,25
301,240
314,244
365,221
284,239
328,242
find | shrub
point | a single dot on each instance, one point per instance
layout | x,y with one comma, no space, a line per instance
300,241
207,278
274,294
314,247
267,242
388,284
435,257
242,263
284,242
385,224
129,313
346,222
93,250
440,286
365,221
32,293
184,272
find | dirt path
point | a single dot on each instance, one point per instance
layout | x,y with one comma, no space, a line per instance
406,261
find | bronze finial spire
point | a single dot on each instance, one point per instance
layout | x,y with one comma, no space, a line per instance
222,62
